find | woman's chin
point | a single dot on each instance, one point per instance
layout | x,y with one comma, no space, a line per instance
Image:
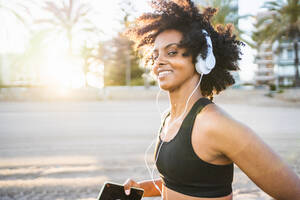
166,87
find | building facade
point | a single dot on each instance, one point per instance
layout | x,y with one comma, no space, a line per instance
264,75
275,62
285,62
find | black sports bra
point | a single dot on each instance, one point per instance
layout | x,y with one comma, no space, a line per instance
183,171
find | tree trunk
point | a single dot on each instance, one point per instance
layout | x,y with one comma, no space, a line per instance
296,63
69,35
85,80
128,66
85,71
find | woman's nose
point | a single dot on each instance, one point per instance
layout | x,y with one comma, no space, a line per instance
159,62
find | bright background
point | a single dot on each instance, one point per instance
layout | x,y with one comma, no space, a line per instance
13,37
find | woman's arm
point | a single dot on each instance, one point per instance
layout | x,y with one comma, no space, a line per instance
255,158
149,188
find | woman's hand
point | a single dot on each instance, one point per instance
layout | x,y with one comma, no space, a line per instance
130,183
148,187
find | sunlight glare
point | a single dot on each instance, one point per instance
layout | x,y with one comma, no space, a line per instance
95,77
61,69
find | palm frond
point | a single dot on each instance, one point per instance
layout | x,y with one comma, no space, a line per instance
47,21
70,18
56,12
273,5
282,22
81,12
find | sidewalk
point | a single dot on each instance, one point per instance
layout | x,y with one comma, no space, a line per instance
260,97
66,150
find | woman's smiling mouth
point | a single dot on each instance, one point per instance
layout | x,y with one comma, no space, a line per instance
164,73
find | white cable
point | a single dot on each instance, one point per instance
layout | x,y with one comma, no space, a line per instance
162,140
157,106
147,150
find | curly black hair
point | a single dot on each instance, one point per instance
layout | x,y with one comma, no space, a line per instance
185,17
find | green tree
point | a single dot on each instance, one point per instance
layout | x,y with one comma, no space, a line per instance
68,17
117,57
91,55
87,55
28,64
121,62
283,24
127,8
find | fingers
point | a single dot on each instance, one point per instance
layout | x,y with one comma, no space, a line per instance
128,184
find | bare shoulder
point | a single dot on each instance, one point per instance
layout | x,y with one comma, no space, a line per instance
214,119
212,111
224,130
247,150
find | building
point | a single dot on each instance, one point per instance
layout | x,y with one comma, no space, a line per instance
275,61
275,64
264,75
284,62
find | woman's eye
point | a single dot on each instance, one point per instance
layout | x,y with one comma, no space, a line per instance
171,53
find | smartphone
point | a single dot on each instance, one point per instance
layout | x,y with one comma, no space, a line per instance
114,191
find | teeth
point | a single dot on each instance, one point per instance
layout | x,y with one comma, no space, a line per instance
164,73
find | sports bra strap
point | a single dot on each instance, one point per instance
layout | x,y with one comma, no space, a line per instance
197,107
188,121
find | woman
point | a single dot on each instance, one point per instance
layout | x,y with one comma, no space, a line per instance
198,142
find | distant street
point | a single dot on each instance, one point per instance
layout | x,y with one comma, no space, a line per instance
66,150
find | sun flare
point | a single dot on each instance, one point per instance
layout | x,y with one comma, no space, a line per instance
62,70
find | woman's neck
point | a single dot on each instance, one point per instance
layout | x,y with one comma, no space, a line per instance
178,97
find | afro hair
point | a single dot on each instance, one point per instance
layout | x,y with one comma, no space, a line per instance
185,17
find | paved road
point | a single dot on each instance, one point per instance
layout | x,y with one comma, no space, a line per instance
63,150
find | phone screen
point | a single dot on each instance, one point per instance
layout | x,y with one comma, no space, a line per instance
113,191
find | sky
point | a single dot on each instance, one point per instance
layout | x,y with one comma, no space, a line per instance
13,38
246,64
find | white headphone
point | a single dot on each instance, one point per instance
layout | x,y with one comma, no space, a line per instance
205,66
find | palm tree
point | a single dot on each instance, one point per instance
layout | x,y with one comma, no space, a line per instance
69,17
283,24
127,8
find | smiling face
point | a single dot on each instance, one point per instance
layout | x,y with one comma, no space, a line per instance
171,66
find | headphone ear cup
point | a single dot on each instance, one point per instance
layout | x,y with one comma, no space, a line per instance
198,70
201,66
206,65
197,67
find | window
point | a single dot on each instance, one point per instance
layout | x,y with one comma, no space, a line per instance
290,54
